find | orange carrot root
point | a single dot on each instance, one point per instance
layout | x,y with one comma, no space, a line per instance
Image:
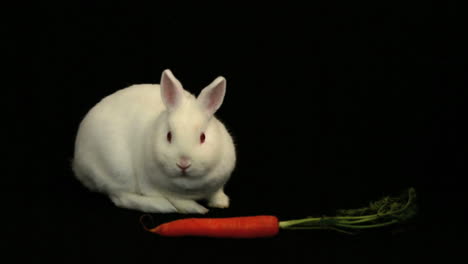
234,227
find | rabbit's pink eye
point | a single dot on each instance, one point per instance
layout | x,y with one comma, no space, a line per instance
169,137
202,138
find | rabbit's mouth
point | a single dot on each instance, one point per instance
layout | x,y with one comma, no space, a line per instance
189,174
184,173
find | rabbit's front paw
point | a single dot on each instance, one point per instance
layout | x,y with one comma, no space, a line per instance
188,206
219,200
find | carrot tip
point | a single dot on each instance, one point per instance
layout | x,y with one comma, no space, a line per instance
156,230
142,219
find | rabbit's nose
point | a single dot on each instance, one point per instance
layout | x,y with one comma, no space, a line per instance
184,163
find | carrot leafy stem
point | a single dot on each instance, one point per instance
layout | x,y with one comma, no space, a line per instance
384,212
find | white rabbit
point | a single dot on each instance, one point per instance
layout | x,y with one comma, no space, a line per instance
157,148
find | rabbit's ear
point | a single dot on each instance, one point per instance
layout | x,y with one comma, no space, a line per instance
171,90
212,96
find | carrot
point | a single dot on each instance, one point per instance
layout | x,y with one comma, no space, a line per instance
232,227
384,212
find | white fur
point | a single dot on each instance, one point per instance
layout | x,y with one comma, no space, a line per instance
122,150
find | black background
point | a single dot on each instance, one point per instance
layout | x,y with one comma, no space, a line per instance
330,107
